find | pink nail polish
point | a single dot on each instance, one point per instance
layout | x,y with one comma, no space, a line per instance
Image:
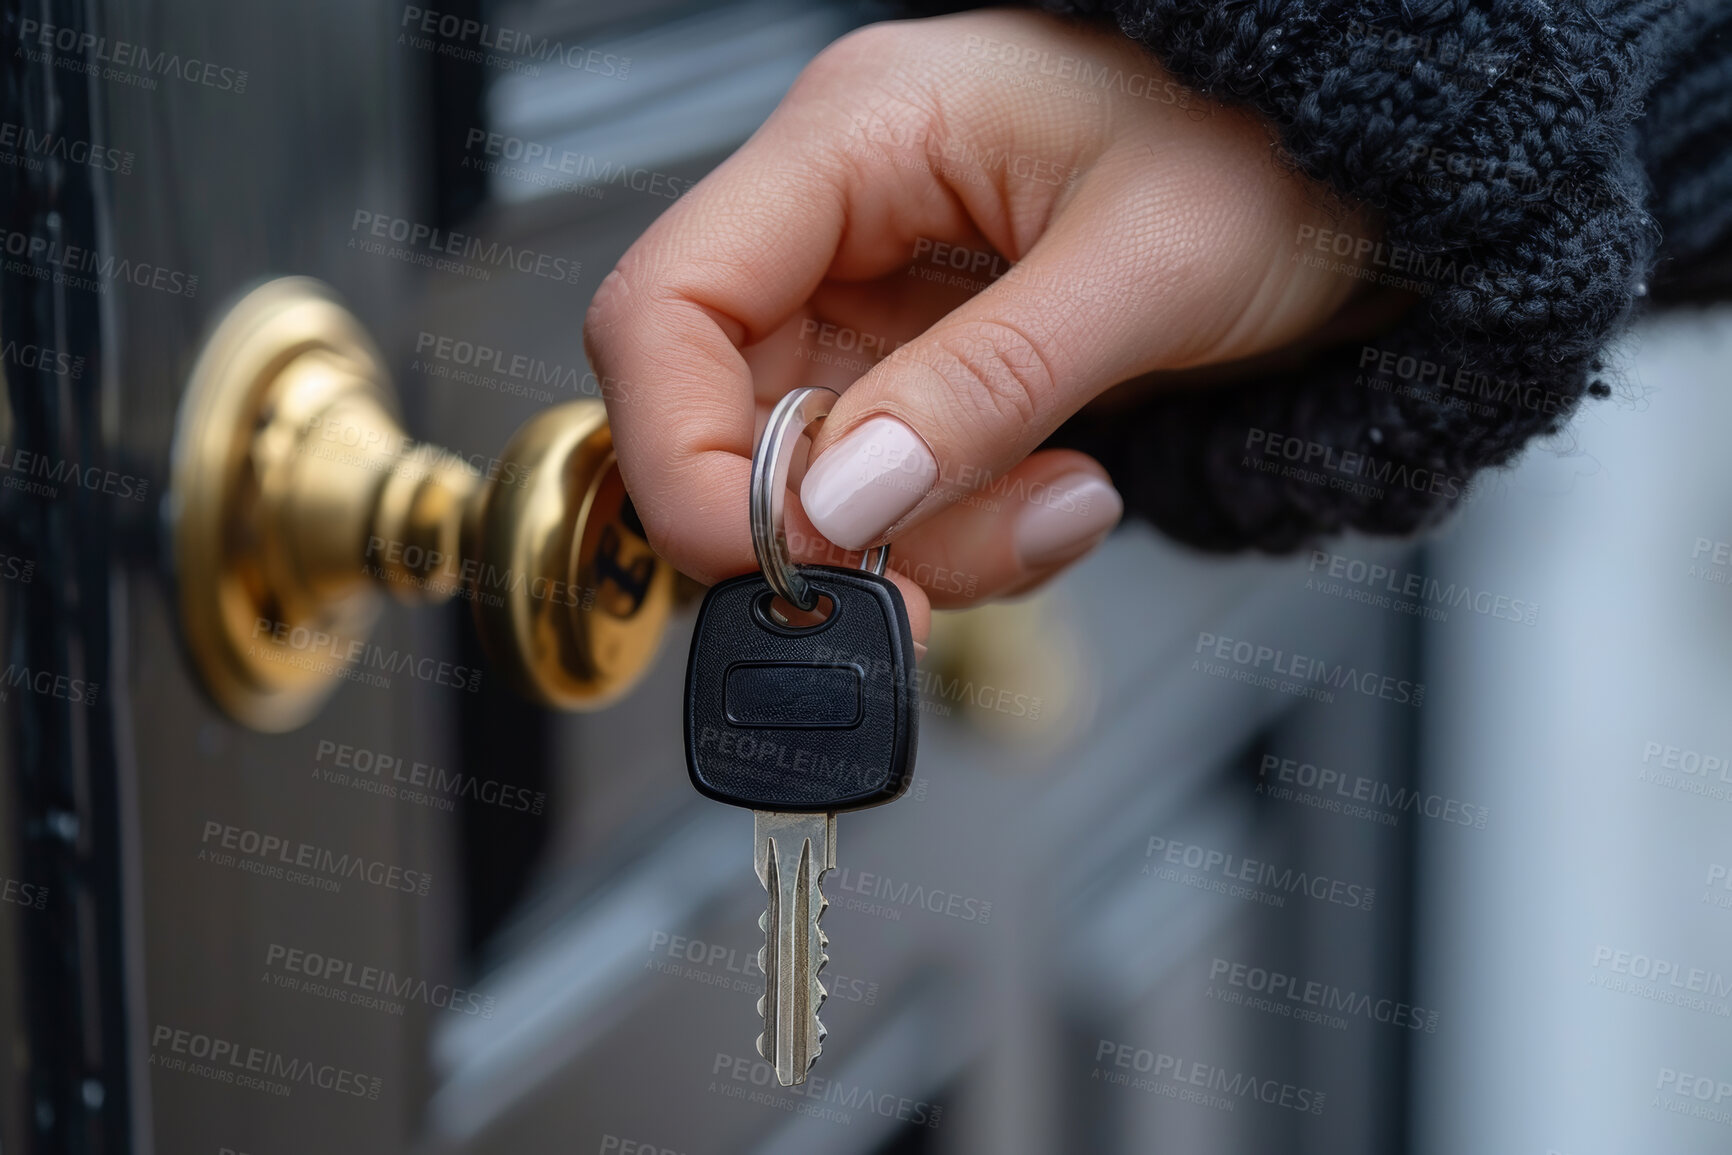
1073,511
866,482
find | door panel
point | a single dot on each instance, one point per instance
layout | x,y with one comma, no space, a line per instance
236,953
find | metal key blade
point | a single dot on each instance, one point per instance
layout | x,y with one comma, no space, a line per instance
791,852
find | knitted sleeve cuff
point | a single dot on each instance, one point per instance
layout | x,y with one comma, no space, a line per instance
1686,148
1502,143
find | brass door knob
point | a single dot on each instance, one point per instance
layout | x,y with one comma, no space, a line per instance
296,500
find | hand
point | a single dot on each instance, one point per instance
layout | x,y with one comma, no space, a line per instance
1141,229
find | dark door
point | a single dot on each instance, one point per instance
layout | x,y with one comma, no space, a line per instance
432,915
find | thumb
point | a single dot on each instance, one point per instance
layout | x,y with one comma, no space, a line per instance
1116,287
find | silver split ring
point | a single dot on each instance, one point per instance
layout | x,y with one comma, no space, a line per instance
793,415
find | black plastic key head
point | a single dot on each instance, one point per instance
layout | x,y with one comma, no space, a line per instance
820,718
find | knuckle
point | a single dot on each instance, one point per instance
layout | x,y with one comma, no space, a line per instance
661,529
866,47
996,370
608,305
865,90
660,535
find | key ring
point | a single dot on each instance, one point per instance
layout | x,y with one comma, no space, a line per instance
793,415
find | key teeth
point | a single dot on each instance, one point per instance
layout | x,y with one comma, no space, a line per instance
818,922
820,993
818,1047
777,841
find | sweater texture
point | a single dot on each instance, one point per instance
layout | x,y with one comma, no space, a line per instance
1540,171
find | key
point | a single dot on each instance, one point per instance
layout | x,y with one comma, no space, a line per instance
796,724
791,852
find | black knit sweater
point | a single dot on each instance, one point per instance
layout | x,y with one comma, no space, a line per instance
1540,170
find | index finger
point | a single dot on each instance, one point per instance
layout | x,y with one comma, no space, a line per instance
729,263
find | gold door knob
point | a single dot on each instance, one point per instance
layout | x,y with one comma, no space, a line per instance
296,499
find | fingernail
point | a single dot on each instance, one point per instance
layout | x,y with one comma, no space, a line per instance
1067,515
920,651
866,482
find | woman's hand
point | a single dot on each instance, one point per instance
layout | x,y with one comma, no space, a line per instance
855,242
